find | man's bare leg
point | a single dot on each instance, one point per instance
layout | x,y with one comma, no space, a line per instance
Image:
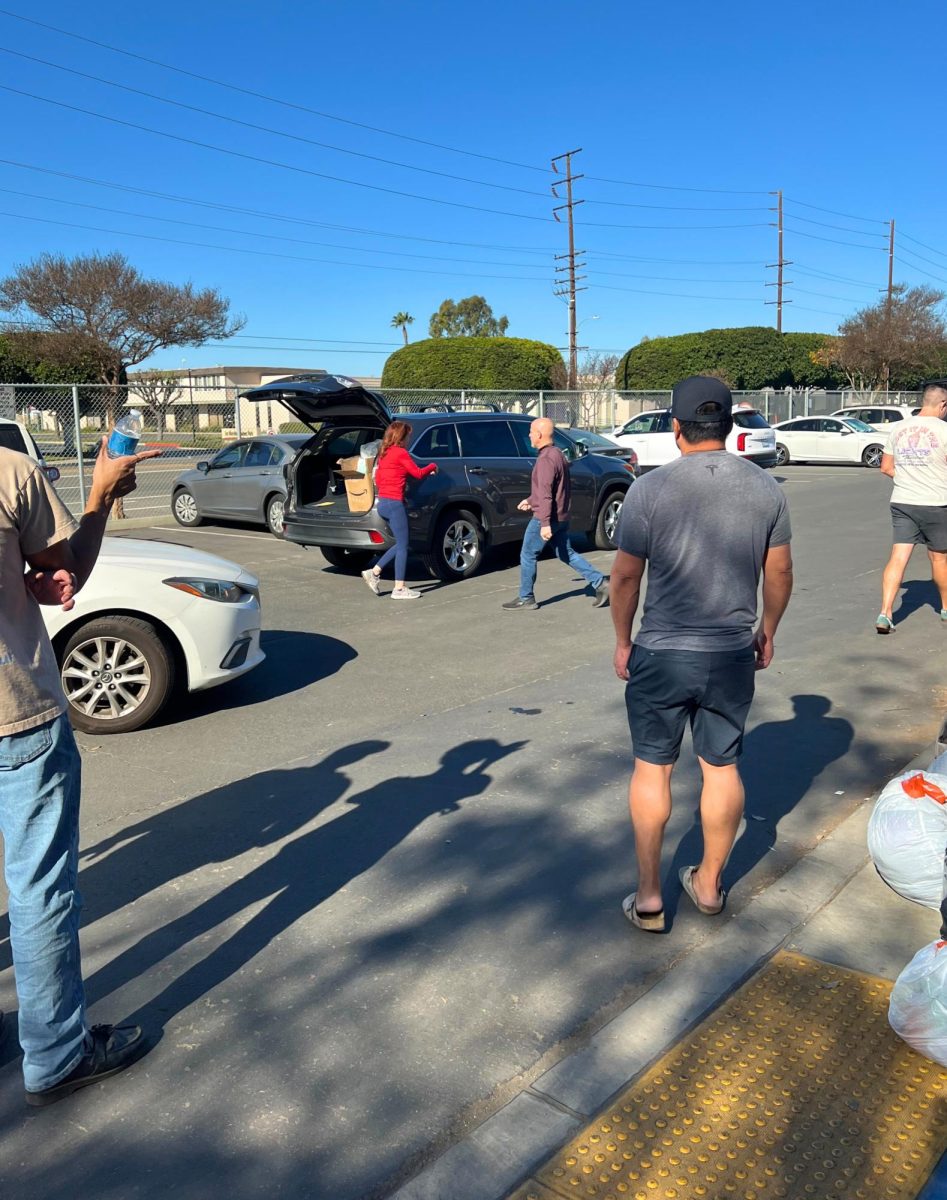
893,574
649,799
721,810
939,574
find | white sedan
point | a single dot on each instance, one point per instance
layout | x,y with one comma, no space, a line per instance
151,615
650,436
828,439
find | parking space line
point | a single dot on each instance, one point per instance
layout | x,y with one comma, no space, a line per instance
250,537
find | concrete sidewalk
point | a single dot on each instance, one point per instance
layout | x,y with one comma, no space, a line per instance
831,906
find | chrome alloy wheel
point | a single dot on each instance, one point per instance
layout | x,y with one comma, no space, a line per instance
611,516
185,508
106,678
461,546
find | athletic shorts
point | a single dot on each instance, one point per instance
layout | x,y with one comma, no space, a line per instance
920,525
668,688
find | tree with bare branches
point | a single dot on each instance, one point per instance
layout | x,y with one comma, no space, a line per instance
596,376
903,336
158,391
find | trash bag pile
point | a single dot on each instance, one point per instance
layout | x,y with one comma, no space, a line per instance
907,840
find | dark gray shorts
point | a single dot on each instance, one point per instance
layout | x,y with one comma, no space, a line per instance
669,688
920,525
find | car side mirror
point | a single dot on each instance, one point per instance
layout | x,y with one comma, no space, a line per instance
846,432
203,467
581,449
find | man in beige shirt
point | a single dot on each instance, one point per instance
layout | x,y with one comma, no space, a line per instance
45,558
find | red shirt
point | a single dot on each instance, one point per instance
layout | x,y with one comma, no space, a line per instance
393,470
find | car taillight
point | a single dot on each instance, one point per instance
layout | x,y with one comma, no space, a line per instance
741,442
375,537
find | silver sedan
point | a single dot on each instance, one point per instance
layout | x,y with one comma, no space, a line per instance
244,481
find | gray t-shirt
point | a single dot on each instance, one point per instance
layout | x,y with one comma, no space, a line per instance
703,523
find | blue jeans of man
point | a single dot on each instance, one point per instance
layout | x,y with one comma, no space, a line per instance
40,774
533,545
395,513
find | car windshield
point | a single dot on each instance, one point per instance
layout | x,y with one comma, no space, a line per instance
858,426
748,418
592,440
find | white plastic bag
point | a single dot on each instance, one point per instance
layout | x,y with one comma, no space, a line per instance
917,1011
907,836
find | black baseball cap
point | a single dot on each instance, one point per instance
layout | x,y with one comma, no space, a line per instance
702,399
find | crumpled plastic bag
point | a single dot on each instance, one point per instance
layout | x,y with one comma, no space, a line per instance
907,836
917,1011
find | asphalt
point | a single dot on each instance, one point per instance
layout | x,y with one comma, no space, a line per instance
369,894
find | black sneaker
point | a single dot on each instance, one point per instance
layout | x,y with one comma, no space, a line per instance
522,602
114,1047
601,594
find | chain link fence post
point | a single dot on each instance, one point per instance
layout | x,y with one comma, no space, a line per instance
237,423
77,433
542,404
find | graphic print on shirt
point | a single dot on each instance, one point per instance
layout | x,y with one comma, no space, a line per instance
914,446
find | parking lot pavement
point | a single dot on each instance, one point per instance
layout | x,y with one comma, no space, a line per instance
371,890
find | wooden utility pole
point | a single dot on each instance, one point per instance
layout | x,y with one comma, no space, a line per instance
567,286
779,264
890,261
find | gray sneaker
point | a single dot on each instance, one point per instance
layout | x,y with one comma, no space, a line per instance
601,594
405,593
372,580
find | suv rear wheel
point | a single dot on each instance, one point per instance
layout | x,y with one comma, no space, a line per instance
352,562
457,548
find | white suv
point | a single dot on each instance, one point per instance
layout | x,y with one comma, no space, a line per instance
649,435
14,436
879,416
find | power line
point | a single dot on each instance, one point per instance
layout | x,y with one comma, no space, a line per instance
824,311
123,212
674,207
667,187
834,213
843,228
803,270
678,295
662,278
920,270
932,249
816,237
232,87
151,237
265,128
268,162
269,216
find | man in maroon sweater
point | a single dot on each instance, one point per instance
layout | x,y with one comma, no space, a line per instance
549,503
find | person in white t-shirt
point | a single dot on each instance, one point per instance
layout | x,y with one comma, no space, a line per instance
916,459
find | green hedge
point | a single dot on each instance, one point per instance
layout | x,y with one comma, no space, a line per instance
506,364
752,357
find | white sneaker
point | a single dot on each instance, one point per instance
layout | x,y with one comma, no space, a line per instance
372,580
405,594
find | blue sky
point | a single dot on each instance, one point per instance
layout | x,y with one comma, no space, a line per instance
697,111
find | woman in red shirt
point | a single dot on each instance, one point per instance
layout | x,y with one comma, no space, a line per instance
394,467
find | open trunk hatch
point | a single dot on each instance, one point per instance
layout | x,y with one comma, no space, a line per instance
330,398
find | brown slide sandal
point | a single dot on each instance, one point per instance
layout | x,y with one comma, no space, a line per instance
649,922
687,883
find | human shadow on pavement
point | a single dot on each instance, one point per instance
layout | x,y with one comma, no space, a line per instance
211,828
294,660
916,594
301,875
781,761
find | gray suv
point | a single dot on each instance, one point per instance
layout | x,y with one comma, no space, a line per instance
484,461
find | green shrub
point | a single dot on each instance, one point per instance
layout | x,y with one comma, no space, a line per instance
490,363
755,356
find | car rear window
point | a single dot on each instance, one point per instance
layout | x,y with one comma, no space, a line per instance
750,420
12,439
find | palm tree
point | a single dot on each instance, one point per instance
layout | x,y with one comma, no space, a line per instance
401,321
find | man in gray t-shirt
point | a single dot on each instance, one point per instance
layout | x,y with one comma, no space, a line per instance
707,525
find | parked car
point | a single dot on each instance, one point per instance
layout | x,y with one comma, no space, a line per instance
152,615
484,461
244,481
879,416
14,436
597,443
827,439
651,437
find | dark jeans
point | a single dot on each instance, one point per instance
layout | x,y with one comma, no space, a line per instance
395,513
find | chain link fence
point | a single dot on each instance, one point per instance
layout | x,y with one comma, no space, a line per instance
189,423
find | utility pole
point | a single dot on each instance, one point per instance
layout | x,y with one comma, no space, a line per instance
890,261
567,286
779,264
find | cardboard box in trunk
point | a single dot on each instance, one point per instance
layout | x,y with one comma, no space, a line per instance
359,485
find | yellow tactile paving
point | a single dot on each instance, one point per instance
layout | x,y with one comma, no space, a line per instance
794,1087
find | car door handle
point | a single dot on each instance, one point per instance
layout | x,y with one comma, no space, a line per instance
477,470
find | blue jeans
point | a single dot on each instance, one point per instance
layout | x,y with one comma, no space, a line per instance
39,819
533,546
395,513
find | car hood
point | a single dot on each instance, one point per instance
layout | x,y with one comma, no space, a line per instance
167,558
330,398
